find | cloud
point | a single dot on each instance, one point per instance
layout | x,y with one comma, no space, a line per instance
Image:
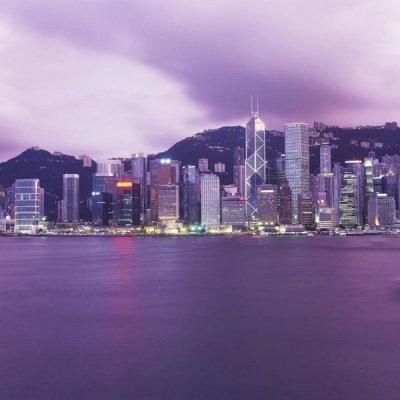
72,99
196,64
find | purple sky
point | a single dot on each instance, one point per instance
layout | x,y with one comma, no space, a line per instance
113,77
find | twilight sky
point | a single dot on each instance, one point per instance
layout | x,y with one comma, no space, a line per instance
113,77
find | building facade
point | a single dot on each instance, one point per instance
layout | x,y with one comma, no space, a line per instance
297,162
27,206
210,200
70,203
255,163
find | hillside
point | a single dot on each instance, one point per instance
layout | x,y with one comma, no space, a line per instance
49,168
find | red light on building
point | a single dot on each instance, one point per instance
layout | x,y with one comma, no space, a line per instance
124,184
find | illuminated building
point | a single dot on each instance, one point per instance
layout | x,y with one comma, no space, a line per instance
255,161
381,210
297,162
110,168
168,202
139,177
163,171
219,168
238,156
210,200
203,164
325,219
239,179
191,195
267,204
285,203
233,211
305,209
27,205
325,159
70,203
350,198
126,203
391,187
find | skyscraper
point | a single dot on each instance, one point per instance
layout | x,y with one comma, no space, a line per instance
27,205
233,211
163,171
325,159
70,203
297,162
168,202
255,161
350,199
203,164
381,210
238,156
191,195
110,168
210,200
139,177
267,204
239,179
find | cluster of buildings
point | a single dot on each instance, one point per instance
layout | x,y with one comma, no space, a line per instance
276,196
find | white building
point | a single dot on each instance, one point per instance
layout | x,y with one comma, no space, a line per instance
27,205
110,168
255,161
210,200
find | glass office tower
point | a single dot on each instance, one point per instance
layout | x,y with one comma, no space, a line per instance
27,205
255,162
297,163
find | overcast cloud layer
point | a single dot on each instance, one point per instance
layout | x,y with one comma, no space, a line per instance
112,77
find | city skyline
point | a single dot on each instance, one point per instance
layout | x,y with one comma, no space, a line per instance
72,86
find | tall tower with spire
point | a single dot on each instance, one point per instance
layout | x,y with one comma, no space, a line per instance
255,159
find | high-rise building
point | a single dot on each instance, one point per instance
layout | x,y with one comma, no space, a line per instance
381,210
285,203
350,198
70,203
267,204
233,211
163,171
297,162
325,219
110,168
27,205
239,179
191,195
210,200
255,161
219,168
87,162
168,202
238,156
126,202
139,177
325,159
203,164
306,211
391,187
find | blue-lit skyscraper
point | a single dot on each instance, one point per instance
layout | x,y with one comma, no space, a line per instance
297,163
